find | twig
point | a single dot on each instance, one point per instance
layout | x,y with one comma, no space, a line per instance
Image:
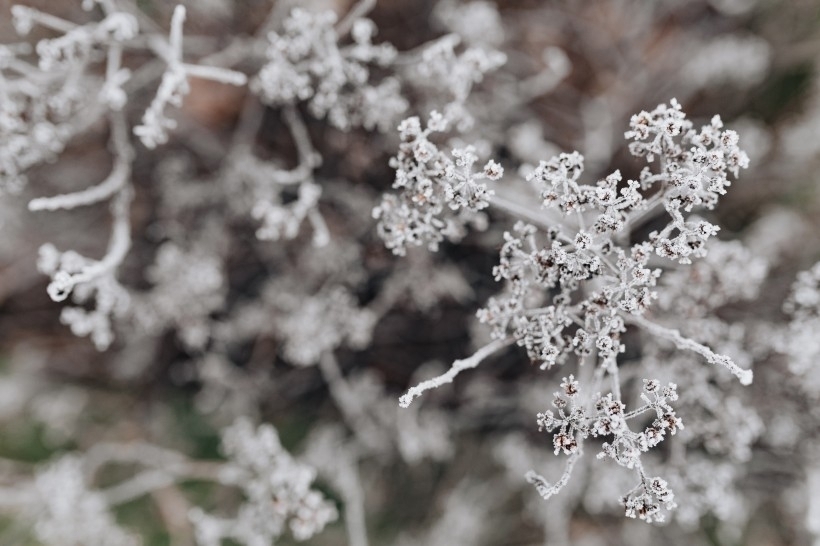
457,367
681,342
112,184
542,485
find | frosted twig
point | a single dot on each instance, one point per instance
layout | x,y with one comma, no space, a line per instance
144,453
681,342
63,283
544,219
457,367
89,196
121,233
542,485
166,467
174,85
175,36
321,234
113,183
141,484
350,485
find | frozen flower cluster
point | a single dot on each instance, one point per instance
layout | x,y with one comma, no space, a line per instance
440,192
306,62
312,326
573,287
608,417
187,288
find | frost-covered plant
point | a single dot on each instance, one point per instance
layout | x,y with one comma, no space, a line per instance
155,125
276,487
574,283
307,63
431,183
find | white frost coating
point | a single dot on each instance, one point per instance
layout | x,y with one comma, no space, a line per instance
745,376
457,367
174,86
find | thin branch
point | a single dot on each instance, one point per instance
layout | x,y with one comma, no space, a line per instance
321,233
175,36
42,19
141,484
115,181
457,367
681,342
215,73
544,219
151,480
143,453
542,485
89,196
353,495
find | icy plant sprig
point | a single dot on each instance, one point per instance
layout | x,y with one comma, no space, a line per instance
86,278
440,190
307,62
607,417
574,286
266,183
155,125
44,104
42,122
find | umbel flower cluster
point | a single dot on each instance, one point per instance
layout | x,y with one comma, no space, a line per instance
573,283
255,223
